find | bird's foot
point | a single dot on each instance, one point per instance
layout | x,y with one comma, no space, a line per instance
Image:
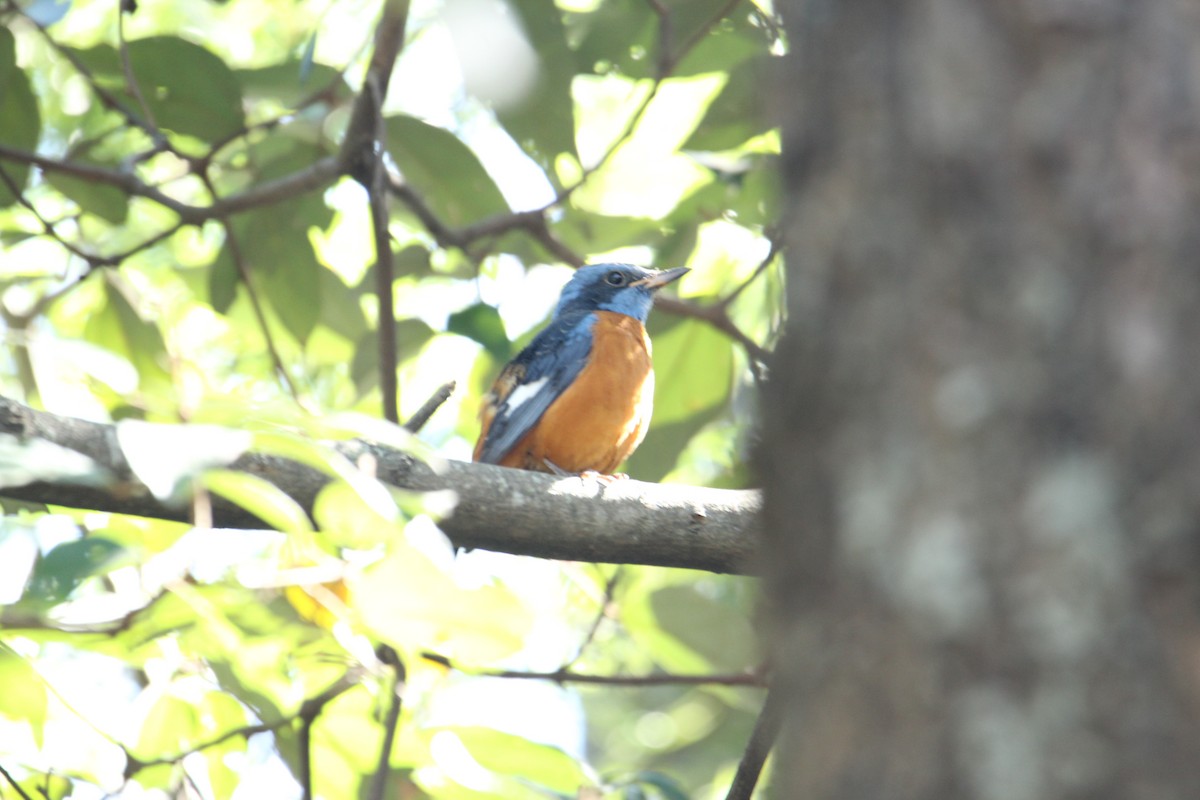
591,474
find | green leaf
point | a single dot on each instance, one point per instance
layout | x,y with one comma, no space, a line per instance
289,83
482,323
118,327
667,787
24,695
340,309
444,171
187,89
222,282
260,497
408,601
622,36
693,367
512,755
543,123
341,513
725,641
723,44
739,112
69,564
45,785
107,202
19,110
274,241
587,231
616,36
294,291
168,729
411,336
322,457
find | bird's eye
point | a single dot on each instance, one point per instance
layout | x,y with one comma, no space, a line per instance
615,278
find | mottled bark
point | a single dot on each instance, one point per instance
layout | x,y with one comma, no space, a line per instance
982,443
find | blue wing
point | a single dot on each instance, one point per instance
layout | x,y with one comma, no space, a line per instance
534,379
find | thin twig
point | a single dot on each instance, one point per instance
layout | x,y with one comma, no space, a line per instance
610,588
703,31
418,420
379,778
776,247
750,677
15,785
315,176
762,739
305,755
47,226
107,98
243,269
361,157
568,676
131,83
385,270
326,93
714,315
116,259
309,709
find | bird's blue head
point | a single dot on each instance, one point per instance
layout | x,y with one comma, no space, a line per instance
623,288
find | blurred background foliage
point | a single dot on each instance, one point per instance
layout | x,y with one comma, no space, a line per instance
523,139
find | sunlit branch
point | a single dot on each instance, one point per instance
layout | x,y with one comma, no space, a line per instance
506,510
439,397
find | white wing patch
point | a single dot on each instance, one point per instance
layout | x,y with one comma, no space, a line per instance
523,394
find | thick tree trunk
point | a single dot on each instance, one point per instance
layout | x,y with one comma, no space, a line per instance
982,439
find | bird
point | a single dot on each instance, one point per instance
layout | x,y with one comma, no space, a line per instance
577,400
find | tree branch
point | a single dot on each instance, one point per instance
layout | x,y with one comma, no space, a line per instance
13,782
315,176
378,785
750,677
308,710
506,510
762,739
431,406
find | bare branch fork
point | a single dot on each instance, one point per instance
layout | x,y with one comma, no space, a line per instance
499,509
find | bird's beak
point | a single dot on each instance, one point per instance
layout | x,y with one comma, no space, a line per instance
661,279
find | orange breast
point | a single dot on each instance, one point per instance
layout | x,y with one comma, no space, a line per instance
602,417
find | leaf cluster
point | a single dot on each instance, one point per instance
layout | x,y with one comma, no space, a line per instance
183,242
